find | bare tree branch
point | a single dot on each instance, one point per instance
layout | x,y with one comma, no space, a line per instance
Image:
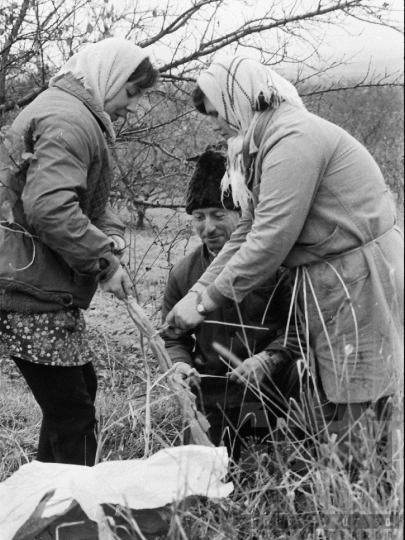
359,86
6,50
10,105
232,37
180,21
155,204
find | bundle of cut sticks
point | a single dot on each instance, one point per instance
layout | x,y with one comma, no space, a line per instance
194,419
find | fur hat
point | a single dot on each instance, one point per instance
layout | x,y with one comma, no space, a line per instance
204,188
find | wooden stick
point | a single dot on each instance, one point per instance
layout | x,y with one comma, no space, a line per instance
196,421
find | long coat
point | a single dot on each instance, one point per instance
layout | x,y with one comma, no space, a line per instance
55,221
320,206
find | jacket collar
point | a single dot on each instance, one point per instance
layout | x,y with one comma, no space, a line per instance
206,256
73,86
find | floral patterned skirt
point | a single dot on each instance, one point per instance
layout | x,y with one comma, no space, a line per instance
53,338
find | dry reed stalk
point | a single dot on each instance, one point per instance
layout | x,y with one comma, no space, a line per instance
195,420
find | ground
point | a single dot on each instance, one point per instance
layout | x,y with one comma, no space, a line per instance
151,252
131,425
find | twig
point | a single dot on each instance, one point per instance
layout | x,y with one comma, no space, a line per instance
195,420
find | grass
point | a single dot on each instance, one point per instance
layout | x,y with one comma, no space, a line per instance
269,502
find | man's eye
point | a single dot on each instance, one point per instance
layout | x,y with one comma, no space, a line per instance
219,216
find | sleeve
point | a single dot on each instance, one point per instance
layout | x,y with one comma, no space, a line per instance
109,223
290,176
56,180
180,349
272,361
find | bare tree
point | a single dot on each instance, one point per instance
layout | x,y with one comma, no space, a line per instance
42,34
152,147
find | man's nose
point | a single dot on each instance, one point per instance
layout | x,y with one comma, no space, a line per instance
209,226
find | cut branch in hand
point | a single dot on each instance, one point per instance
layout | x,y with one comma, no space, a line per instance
195,420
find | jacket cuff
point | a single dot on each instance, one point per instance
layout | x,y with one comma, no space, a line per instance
179,356
272,360
277,348
111,231
108,267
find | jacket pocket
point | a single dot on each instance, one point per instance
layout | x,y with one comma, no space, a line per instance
27,265
346,269
335,244
321,249
338,282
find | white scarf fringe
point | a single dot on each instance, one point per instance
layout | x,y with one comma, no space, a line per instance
234,177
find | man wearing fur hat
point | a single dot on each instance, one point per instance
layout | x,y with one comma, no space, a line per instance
248,398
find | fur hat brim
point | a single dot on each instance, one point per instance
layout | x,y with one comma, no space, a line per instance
204,188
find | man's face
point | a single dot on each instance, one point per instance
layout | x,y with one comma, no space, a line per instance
214,226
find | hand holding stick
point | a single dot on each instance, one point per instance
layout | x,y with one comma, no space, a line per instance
195,420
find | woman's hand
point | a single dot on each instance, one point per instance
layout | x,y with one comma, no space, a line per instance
183,316
119,284
250,371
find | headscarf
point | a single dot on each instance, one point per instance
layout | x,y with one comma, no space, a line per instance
103,68
238,87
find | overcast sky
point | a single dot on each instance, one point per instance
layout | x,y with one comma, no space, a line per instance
359,42
363,44
381,45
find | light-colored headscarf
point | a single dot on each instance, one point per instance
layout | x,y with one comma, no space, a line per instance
103,68
236,86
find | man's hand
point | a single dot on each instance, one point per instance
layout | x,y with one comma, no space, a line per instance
119,284
250,371
183,316
187,373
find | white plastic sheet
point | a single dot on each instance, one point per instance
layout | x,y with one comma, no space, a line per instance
169,476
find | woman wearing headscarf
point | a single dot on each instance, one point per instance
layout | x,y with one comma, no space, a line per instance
316,202
59,238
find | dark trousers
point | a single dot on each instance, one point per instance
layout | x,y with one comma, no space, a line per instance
250,427
66,396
